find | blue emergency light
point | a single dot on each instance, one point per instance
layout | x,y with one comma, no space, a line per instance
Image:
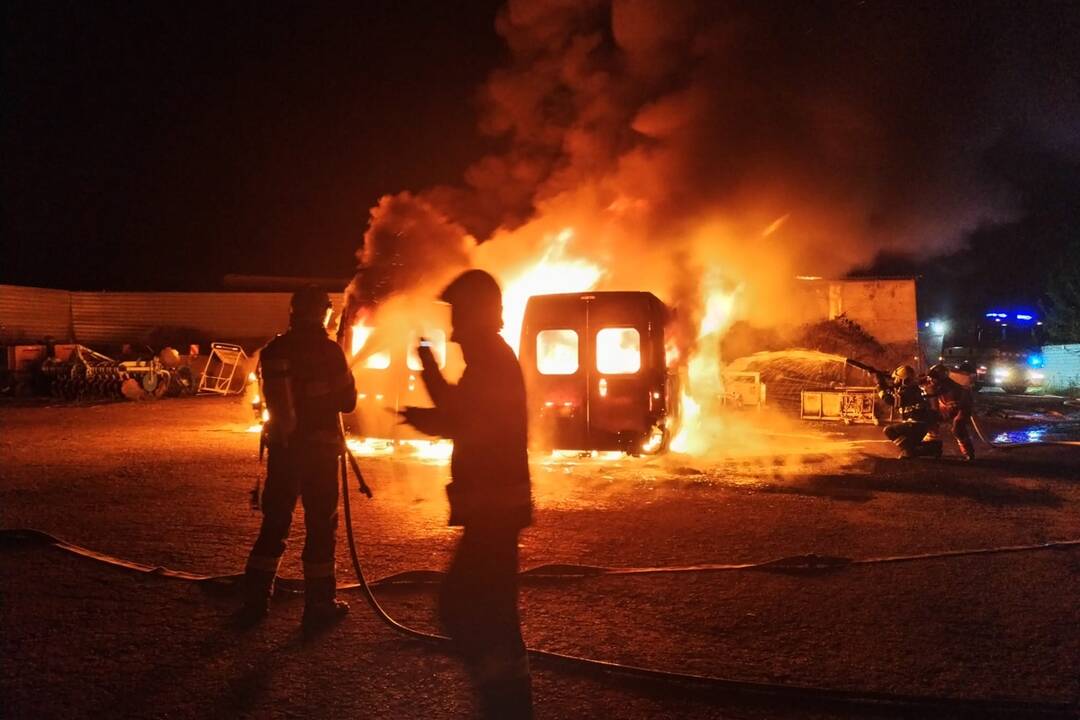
1022,317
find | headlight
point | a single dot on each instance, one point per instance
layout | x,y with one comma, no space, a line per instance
1035,375
1002,373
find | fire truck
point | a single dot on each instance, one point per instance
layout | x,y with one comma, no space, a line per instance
1003,349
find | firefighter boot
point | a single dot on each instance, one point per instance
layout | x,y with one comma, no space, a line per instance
930,448
256,586
907,449
967,450
321,608
504,686
507,698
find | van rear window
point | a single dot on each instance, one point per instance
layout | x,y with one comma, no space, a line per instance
618,351
557,352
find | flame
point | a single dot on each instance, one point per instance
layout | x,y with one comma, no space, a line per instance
361,333
437,451
369,447
618,351
775,225
433,451
557,352
555,272
703,389
671,353
719,306
691,419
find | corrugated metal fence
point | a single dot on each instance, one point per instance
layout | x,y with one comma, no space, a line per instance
112,318
1062,366
34,313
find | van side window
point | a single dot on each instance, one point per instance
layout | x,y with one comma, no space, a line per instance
375,360
438,347
618,351
557,352
378,361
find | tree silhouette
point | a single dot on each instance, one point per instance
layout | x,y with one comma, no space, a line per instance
1062,305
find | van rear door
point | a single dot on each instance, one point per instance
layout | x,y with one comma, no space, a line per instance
553,359
618,370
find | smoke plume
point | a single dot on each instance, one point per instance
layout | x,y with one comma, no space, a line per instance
740,143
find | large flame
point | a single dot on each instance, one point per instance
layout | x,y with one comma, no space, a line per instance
618,349
374,359
555,272
703,390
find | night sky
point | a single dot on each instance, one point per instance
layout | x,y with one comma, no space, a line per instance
162,145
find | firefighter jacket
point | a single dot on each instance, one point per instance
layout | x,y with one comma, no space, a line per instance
954,401
910,403
485,415
306,370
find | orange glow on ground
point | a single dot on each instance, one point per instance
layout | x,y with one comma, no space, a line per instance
433,451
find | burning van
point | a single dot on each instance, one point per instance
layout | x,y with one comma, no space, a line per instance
386,366
596,372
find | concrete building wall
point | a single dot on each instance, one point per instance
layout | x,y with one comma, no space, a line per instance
885,308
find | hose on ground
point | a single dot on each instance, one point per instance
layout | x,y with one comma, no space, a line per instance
746,690
721,688
808,564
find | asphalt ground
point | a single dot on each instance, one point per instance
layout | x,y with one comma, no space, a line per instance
166,483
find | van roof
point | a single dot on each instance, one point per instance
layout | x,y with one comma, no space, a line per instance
606,294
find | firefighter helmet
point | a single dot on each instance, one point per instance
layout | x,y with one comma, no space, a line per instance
310,304
476,299
904,374
938,372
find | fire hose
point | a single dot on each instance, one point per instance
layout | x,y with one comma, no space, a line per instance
720,687
758,692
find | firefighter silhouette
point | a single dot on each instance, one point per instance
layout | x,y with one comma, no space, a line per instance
917,417
306,383
955,404
490,494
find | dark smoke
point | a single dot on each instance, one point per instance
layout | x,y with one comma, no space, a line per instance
880,113
409,244
868,124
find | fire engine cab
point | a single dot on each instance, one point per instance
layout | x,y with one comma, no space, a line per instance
1003,349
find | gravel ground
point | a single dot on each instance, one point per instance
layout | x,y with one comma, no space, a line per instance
166,484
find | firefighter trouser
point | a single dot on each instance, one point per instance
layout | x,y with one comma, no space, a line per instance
309,472
908,435
478,609
961,428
